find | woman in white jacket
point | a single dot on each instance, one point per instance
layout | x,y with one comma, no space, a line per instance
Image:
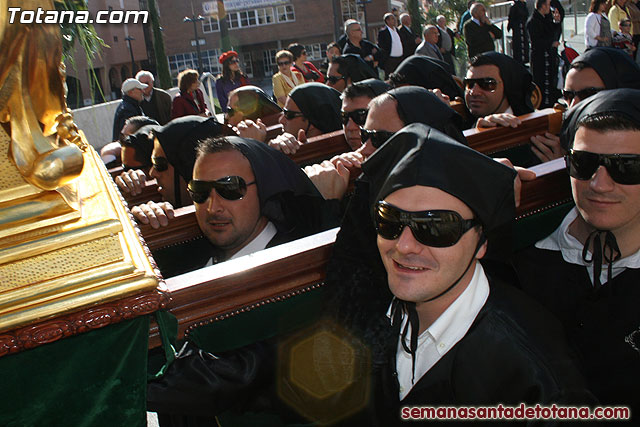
597,29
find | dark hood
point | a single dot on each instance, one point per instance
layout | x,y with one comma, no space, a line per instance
614,66
418,105
421,155
625,102
320,104
518,82
180,137
419,70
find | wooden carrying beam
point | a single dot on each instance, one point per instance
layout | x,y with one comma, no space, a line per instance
492,140
223,290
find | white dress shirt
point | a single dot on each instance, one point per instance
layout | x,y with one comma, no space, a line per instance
592,29
444,333
257,244
571,249
396,43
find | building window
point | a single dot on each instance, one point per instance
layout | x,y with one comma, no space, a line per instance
265,16
247,64
316,51
183,61
210,25
269,61
285,13
233,20
352,10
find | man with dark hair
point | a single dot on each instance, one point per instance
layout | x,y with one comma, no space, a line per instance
391,44
156,102
544,32
479,32
433,206
586,271
136,152
355,107
497,84
347,69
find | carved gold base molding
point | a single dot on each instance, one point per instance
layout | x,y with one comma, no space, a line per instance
84,321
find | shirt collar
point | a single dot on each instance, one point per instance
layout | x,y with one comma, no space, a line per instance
456,320
148,98
259,242
571,249
390,28
477,21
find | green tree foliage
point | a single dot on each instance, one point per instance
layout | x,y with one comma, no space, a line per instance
450,9
415,11
162,63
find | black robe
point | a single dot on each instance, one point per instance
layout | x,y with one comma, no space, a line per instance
514,352
544,57
602,325
518,15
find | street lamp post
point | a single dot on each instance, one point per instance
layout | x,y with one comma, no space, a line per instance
129,39
195,19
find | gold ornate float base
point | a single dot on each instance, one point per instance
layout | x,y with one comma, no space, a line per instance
56,260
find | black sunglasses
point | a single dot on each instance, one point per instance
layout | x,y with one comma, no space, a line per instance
486,83
335,79
161,164
283,63
378,137
229,188
623,168
358,116
437,228
290,115
568,95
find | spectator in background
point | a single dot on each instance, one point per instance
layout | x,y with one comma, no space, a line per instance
132,95
347,69
465,17
286,78
390,42
190,100
597,29
446,42
617,13
518,15
544,32
623,40
357,44
300,63
410,40
479,32
429,46
634,15
232,77
156,102
333,51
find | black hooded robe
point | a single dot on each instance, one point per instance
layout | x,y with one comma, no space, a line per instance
543,32
518,15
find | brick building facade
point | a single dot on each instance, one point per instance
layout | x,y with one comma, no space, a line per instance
257,29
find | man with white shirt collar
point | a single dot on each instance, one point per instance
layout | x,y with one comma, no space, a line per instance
457,336
249,196
587,271
390,42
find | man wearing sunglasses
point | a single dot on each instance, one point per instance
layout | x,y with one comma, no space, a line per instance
249,196
310,109
434,205
588,270
347,69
